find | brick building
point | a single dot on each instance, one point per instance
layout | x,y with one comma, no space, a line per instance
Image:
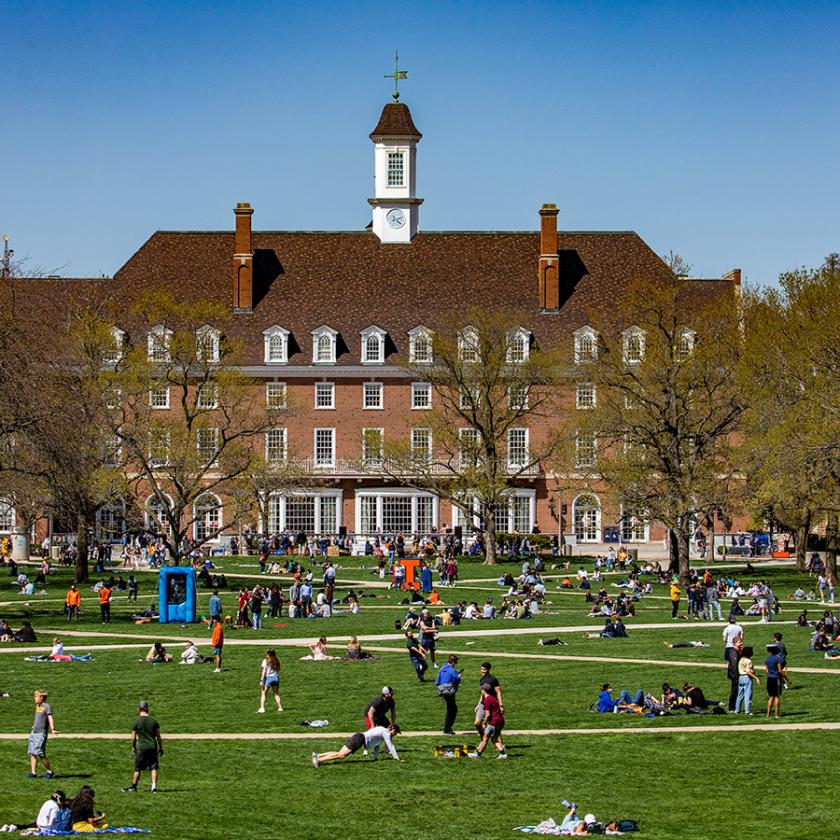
325,316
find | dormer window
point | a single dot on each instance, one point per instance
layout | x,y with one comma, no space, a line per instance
634,345
373,345
159,340
207,341
323,345
468,345
276,346
685,344
116,349
420,346
519,342
586,345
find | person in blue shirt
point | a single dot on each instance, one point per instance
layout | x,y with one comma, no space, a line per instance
425,577
215,606
606,703
447,682
774,667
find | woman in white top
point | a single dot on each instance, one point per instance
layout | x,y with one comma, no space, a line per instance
270,678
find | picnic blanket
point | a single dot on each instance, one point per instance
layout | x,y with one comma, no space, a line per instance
549,826
126,829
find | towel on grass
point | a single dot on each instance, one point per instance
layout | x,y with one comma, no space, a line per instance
126,829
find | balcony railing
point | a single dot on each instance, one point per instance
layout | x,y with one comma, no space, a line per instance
355,468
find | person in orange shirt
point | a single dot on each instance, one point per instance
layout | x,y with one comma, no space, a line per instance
72,603
217,640
105,604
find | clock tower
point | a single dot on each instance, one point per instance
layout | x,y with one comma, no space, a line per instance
395,205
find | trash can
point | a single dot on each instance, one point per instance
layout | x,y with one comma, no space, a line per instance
20,544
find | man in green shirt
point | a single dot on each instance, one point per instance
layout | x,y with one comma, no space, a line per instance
147,746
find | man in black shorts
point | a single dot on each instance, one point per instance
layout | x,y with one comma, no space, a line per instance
428,634
417,654
376,713
147,746
370,740
493,682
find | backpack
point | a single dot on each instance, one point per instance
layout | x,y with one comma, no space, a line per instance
628,825
63,820
446,689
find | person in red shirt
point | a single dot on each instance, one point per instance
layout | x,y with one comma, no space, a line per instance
105,604
494,722
218,642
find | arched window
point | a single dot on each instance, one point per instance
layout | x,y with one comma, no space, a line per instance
586,345
156,521
276,346
468,345
323,345
207,512
207,340
586,511
634,345
373,345
159,339
116,349
420,345
518,346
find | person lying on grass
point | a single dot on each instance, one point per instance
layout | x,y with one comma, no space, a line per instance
372,739
685,644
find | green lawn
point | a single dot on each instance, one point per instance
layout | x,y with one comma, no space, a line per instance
727,783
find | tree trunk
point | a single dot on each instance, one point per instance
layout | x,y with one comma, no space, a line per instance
683,539
802,531
490,535
82,521
831,543
673,552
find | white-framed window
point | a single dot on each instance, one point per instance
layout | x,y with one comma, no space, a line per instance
373,345
207,443
520,511
517,396
421,395
372,395
275,345
159,396
116,350
323,345
207,517
586,518
585,395
159,341
207,341
324,395
112,456
469,398
630,402
634,525
208,395
468,345
517,448
156,520
110,522
396,169
421,445
8,516
113,397
634,345
159,447
276,445
324,447
373,441
420,346
391,512
275,395
518,346
685,343
469,441
586,345
312,513
585,450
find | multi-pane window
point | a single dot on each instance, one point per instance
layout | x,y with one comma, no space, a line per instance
633,525
275,395
208,518
372,349
372,446
276,350
323,345
421,395
420,346
310,514
634,346
114,352
396,514
7,515
324,395
113,397
520,514
113,450
372,395
585,395
159,397
396,169
207,344
469,441
685,344
367,514
585,449
587,519
468,345
158,342
517,397
421,445
517,445
159,447
156,518
110,522
275,445
517,350
208,395
207,443
469,398
324,449
586,345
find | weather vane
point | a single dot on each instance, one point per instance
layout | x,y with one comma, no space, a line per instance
396,76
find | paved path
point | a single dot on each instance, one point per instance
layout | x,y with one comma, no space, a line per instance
770,726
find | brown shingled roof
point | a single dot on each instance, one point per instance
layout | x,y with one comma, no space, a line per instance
395,122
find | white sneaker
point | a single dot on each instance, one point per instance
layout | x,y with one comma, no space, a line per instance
472,755
502,755
315,762
260,711
217,670
436,665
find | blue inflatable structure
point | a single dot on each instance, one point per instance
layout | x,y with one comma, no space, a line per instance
177,595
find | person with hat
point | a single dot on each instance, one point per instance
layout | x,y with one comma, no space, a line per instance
376,713
486,677
573,824
428,634
42,724
417,654
371,739
147,746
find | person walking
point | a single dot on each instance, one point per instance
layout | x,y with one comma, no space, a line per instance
73,602
746,677
494,722
42,726
417,655
270,679
713,602
217,640
485,677
105,603
147,746
733,638
447,681
676,593
428,634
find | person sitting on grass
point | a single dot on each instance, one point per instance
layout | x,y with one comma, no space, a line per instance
372,739
85,818
695,701
6,632
157,654
606,703
318,650
670,696
802,619
190,654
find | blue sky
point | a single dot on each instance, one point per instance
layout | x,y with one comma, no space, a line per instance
709,128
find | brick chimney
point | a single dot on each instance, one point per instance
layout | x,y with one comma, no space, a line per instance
549,261
734,276
243,259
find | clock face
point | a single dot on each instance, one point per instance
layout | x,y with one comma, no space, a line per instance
395,218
